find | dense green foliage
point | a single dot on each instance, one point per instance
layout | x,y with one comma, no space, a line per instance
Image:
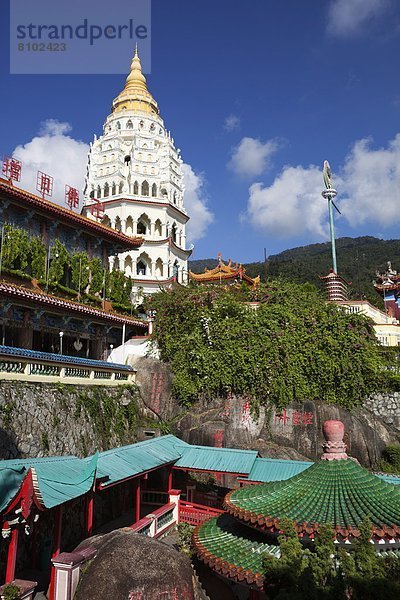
294,347
358,259
185,543
323,573
76,274
390,462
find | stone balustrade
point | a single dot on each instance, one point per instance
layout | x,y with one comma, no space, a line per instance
19,364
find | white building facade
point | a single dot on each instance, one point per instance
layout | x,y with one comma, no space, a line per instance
134,184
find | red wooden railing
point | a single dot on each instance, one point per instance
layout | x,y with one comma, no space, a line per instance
192,513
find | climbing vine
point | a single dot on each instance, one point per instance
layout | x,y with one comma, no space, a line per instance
38,255
59,262
293,347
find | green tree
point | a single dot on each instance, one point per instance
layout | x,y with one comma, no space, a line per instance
294,347
38,257
15,248
80,271
96,276
59,262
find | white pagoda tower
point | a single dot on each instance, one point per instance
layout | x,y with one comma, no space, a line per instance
134,184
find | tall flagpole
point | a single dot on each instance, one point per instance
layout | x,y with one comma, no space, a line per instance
329,194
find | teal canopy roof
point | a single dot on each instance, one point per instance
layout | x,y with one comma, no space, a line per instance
121,463
223,460
272,469
11,478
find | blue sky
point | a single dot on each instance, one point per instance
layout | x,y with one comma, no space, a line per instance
256,94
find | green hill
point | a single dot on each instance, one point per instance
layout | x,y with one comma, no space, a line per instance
358,260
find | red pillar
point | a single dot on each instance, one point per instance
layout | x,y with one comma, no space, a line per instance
170,486
89,513
12,555
137,499
56,547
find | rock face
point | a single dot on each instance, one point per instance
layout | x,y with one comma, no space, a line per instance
134,567
50,419
294,433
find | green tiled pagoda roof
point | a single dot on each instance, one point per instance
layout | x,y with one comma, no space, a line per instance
339,492
232,549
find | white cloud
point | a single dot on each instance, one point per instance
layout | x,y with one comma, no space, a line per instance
251,157
291,206
195,204
372,184
57,154
231,123
347,17
368,187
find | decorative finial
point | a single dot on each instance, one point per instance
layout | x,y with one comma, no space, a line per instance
334,446
136,50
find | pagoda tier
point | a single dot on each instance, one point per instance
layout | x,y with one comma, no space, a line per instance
388,286
336,287
225,273
335,491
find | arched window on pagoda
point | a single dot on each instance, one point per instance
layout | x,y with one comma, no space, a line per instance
121,187
175,271
92,194
106,221
118,125
128,266
141,268
136,188
118,224
143,225
98,195
159,268
173,232
158,228
175,197
129,226
106,190
145,188
154,190
113,189
129,124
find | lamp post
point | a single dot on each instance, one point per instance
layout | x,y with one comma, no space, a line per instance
329,193
80,277
61,334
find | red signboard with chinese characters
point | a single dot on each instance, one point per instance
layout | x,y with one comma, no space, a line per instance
97,210
12,168
44,184
71,197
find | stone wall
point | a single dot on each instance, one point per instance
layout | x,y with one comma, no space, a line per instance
386,407
56,419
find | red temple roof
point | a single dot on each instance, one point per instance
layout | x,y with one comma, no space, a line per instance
70,217
38,297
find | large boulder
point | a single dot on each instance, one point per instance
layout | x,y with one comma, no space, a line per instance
130,566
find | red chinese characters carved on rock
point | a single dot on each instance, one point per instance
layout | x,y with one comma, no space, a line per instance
296,417
218,438
71,197
156,391
12,168
246,413
44,184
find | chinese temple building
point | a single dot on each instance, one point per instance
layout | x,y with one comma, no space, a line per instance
135,175
336,491
388,286
34,318
227,273
336,287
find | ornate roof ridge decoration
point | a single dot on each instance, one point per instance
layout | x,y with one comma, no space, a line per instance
26,294
163,281
73,218
330,491
224,271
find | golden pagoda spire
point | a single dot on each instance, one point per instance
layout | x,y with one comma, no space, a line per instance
135,95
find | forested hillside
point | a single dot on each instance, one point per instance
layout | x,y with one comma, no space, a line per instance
358,259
